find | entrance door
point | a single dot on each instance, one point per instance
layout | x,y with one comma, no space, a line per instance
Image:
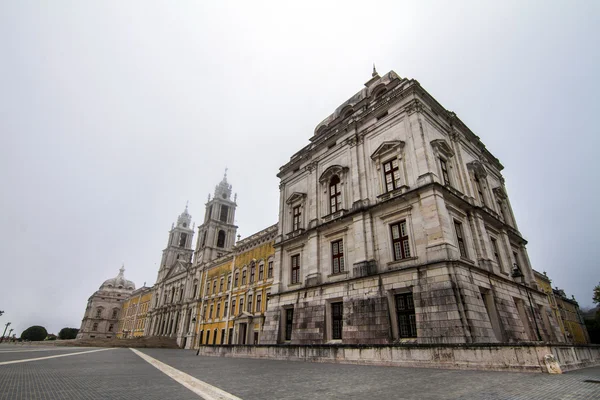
242,334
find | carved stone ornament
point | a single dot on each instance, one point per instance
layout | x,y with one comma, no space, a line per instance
442,147
310,167
478,168
500,193
414,106
331,171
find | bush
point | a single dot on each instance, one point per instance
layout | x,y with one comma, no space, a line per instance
51,336
34,333
68,333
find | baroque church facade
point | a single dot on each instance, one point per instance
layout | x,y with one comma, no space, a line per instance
394,226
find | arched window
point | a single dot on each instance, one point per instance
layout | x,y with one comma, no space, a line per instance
221,239
98,313
95,326
114,314
110,328
335,194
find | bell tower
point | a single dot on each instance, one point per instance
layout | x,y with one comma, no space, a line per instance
179,246
216,236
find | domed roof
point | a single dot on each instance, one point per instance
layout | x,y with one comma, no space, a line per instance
118,282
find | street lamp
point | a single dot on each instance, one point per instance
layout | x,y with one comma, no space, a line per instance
5,328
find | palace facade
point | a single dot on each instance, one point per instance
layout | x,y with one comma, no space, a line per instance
394,226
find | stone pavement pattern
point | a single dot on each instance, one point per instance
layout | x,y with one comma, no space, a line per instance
121,374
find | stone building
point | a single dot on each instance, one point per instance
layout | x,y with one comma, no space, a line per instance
133,320
103,309
176,287
395,226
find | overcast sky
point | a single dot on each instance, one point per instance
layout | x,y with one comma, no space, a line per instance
114,114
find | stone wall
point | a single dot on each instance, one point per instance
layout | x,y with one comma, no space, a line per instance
498,357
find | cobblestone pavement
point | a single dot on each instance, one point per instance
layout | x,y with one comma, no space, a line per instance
121,374
112,374
270,379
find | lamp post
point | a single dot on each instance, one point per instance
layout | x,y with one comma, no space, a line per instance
5,328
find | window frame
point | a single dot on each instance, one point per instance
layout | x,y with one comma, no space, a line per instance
445,171
407,309
295,269
402,240
288,324
296,218
335,197
269,269
394,172
337,257
337,320
460,239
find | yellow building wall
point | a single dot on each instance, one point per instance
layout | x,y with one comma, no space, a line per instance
217,298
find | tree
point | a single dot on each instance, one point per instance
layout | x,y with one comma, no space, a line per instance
596,297
68,333
34,333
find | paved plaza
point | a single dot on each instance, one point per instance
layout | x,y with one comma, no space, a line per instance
61,373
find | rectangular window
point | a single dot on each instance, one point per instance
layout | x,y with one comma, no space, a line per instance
250,303
221,285
337,316
218,310
261,272
237,276
244,274
210,312
496,252
233,307
296,268
214,286
335,194
241,306
270,270
252,273
296,218
479,190
460,238
445,175
400,240
391,174
258,301
289,319
204,312
405,312
228,282
337,256
224,213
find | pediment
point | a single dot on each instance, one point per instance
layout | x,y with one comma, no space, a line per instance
386,148
294,197
331,171
177,268
441,146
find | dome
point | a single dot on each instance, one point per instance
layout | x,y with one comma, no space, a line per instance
118,282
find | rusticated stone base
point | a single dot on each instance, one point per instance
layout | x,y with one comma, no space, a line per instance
524,357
